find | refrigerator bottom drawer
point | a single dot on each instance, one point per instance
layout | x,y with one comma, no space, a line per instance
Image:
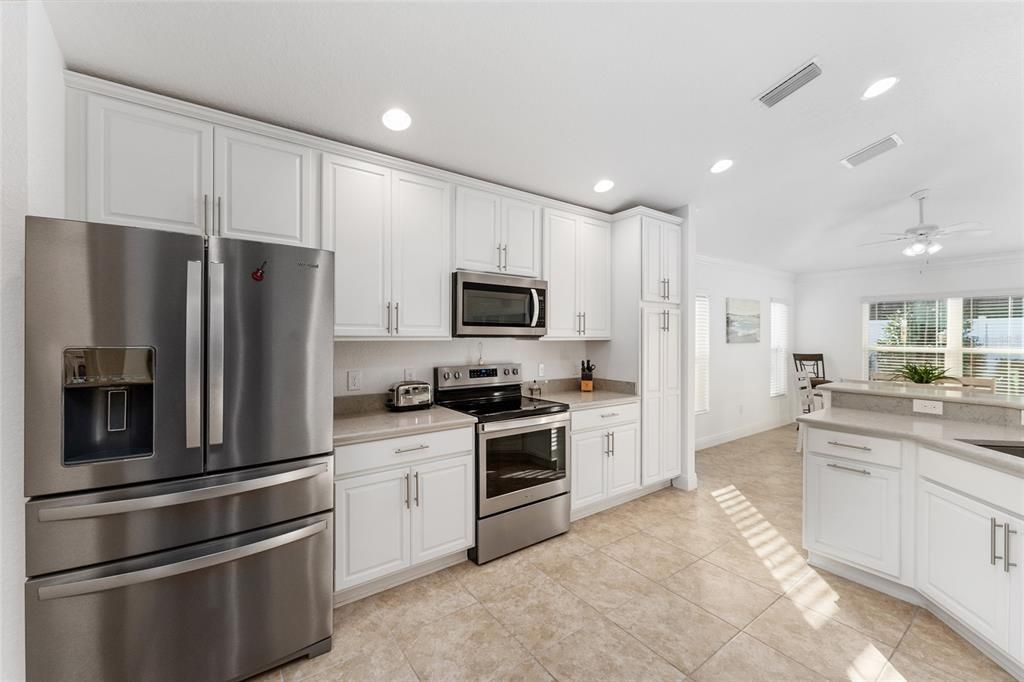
220,610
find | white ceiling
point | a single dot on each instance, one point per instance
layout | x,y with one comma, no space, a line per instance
552,97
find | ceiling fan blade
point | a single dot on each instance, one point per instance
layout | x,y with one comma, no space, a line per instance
969,232
884,241
963,227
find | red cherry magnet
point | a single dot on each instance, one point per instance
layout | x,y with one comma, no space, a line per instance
257,274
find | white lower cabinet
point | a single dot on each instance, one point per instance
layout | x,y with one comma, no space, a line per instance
393,519
852,512
605,462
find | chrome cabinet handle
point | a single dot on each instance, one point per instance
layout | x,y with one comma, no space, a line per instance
612,434
992,541
422,446
584,323
1007,564
847,445
134,504
504,251
407,491
206,214
416,477
856,471
668,288
219,223
146,575
499,257
194,354
609,414
578,330
389,317
216,354
608,444
667,323
396,317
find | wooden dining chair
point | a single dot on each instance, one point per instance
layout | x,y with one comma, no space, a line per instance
813,364
807,402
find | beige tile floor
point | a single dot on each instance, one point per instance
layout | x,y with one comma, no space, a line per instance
706,585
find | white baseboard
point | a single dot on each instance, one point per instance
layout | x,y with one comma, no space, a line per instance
742,432
616,500
358,592
685,482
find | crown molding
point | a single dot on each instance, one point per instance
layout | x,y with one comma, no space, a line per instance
981,259
746,267
648,212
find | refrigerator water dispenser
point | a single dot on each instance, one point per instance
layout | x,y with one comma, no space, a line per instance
108,404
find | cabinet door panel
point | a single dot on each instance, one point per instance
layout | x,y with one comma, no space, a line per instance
954,549
372,526
671,435
356,219
653,408
560,272
671,236
652,261
624,464
521,230
147,168
595,293
672,341
477,230
853,512
588,465
264,188
421,283
443,519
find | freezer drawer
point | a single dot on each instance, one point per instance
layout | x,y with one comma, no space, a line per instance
218,611
80,530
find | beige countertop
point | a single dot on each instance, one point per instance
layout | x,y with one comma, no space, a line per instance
578,400
901,389
362,427
941,434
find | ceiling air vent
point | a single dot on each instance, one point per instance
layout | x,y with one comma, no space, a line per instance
872,150
802,77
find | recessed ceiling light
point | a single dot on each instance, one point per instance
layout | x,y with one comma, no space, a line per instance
721,166
603,185
880,87
396,119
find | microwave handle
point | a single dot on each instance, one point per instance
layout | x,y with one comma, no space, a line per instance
536,307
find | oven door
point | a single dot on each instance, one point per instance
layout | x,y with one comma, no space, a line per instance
522,461
498,305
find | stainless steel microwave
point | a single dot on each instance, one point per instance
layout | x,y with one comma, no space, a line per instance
485,304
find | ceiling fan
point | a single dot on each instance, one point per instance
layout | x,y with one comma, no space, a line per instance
922,237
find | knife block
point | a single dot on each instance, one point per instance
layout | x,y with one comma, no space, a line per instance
586,382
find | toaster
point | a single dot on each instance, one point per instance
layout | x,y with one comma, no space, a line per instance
409,395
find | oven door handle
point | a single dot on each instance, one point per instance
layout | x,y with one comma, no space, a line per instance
514,424
536,307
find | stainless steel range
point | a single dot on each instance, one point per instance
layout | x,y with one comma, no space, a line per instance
523,457
177,453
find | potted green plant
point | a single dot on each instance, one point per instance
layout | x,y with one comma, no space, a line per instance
922,374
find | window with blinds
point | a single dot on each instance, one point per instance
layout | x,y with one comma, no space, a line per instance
969,337
702,354
779,333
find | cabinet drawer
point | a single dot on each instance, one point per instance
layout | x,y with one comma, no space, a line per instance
605,416
855,446
401,451
976,480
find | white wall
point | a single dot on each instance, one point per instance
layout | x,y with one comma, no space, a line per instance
382,362
31,181
740,373
828,305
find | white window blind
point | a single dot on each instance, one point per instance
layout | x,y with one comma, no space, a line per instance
899,332
779,333
702,353
993,341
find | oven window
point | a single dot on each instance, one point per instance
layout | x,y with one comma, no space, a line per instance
486,305
525,460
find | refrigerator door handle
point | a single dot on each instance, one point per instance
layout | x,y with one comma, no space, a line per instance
194,354
146,575
96,509
216,354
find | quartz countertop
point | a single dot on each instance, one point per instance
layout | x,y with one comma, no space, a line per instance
941,434
580,400
362,427
901,389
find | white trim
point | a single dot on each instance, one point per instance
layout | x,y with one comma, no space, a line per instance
90,84
942,264
616,500
748,267
650,213
935,296
726,436
358,592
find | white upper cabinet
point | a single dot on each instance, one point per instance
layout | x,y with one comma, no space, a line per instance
661,393
661,272
147,168
263,188
390,235
577,267
421,270
356,217
496,234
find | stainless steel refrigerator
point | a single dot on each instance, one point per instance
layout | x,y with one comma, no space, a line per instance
178,453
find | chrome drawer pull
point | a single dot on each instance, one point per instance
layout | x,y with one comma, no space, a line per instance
847,445
856,471
609,414
399,451
1007,565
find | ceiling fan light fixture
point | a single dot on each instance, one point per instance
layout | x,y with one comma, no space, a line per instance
933,248
916,248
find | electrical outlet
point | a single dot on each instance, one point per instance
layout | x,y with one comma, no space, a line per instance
540,369
409,374
355,379
928,406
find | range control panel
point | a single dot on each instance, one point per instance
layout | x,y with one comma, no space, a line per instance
462,376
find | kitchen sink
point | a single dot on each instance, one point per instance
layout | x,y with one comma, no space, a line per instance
1010,448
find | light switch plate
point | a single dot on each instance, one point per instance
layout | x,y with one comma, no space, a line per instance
928,406
355,379
1022,417
540,369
